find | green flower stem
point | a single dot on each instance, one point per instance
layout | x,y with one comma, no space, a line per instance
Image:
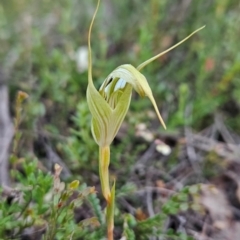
110,213
104,160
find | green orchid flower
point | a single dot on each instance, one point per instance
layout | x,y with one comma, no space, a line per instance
109,106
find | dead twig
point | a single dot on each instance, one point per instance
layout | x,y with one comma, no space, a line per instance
224,150
6,132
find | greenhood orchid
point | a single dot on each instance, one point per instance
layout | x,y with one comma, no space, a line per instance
109,106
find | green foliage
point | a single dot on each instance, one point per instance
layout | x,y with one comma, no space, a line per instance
156,226
16,210
44,202
80,147
95,204
181,200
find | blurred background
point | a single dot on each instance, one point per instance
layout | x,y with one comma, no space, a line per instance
197,87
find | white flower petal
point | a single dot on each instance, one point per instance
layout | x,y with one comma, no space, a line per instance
121,83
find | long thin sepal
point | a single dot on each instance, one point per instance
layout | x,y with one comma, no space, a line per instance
89,46
142,65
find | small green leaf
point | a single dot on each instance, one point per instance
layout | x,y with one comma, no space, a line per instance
194,189
184,206
90,222
74,184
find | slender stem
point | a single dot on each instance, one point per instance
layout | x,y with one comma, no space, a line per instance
104,160
110,213
110,233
